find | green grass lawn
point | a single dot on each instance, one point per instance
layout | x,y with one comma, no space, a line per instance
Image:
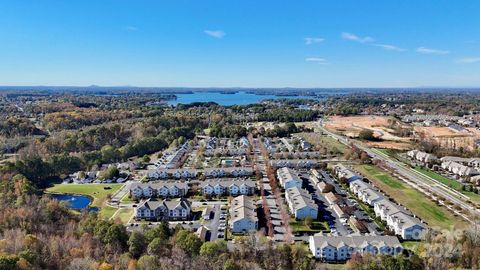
445,180
106,212
317,226
331,266
414,200
388,152
96,191
316,138
411,245
126,199
124,214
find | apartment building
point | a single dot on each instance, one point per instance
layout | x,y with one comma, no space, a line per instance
300,203
341,248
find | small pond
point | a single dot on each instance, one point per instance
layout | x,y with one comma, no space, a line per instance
77,202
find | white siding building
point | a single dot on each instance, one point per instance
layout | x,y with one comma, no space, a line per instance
154,209
228,187
341,248
158,189
397,218
243,215
288,178
231,171
300,203
343,172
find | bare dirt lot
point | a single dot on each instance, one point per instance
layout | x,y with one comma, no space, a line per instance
352,125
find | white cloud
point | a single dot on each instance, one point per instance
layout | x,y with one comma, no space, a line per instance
469,60
312,40
432,51
319,60
389,47
215,33
353,37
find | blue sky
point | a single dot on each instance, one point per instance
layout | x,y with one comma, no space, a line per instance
222,43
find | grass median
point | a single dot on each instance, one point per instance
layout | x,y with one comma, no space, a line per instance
414,200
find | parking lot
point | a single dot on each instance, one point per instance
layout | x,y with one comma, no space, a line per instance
350,202
337,227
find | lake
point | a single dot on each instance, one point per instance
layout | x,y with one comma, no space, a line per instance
237,98
76,202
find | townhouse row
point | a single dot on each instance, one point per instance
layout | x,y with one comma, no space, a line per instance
159,189
300,203
342,248
174,159
243,215
398,219
164,189
156,210
288,178
193,173
295,163
228,187
422,157
459,166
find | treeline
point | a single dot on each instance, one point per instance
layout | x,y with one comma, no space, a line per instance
353,104
279,131
78,118
227,131
54,157
383,262
288,115
237,131
39,170
12,127
40,233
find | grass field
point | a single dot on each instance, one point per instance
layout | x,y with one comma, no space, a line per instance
96,191
411,245
126,198
414,200
106,212
331,266
432,174
315,138
124,214
317,226
445,180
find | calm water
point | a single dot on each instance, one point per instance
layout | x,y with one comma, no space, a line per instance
77,202
239,98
